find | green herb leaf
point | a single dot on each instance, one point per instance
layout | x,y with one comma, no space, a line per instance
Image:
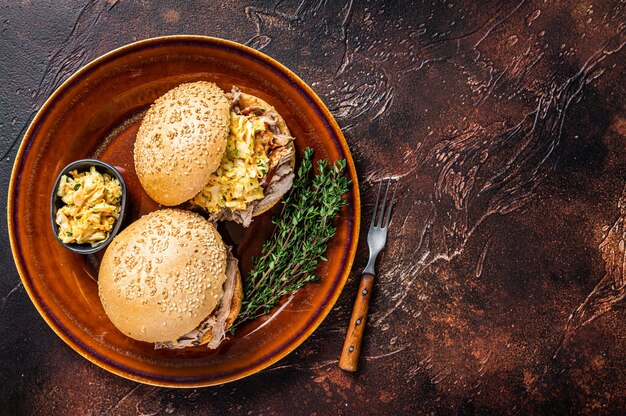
76,187
303,229
69,234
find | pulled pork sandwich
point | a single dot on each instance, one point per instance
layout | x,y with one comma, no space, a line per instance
169,279
229,155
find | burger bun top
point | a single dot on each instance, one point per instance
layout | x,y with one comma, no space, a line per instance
163,275
181,141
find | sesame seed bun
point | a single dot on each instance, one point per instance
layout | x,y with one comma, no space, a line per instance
181,141
163,275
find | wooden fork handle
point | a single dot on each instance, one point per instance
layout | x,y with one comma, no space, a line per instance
349,359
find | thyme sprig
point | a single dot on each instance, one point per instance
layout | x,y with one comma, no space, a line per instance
299,241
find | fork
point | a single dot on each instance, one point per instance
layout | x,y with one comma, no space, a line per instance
376,239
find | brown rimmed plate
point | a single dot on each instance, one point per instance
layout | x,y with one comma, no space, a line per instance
96,114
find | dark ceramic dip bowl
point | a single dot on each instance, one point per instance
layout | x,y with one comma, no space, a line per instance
56,203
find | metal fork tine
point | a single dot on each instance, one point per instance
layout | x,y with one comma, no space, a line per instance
382,209
388,216
380,183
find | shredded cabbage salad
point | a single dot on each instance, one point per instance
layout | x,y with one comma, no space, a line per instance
239,178
92,205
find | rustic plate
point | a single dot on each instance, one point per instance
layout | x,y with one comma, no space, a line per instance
96,114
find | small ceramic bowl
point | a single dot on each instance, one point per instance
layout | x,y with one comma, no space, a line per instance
56,203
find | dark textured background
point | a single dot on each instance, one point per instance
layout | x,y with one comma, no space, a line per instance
502,289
